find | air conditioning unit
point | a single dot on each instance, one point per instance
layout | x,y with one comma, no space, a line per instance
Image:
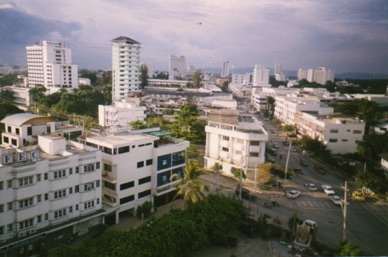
22,234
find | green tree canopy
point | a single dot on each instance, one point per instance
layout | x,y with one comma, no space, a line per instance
143,70
197,78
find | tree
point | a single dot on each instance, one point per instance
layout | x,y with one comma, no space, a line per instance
37,93
197,78
292,222
137,125
348,249
225,87
90,75
270,106
372,144
189,186
143,69
7,96
217,167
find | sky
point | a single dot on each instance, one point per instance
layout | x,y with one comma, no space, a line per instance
342,35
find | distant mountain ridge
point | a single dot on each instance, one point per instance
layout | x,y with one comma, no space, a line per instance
293,73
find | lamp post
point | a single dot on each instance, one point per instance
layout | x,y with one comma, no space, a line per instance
286,169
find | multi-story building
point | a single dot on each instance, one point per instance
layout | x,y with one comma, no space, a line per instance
120,113
320,75
260,76
50,64
235,141
177,67
50,187
243,79
340,134
125,67
136,168
287,107
278,72
225,69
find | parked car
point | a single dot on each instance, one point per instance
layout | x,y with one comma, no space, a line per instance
336,200
311,223
275,145
293,194
328,190
293,149
311,186
246,194
357,195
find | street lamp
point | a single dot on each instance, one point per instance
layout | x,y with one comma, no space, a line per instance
286,169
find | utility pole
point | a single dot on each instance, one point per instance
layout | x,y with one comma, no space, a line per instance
344,204
256,171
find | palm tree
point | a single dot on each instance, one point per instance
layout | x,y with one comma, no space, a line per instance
189,186
217,167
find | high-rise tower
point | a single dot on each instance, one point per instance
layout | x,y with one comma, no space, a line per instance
125,67
49,64
225,69
177,67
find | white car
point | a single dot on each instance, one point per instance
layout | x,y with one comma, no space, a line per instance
293,149
311,224
328,190
311,186
336,199
293,194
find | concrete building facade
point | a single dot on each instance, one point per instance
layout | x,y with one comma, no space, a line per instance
177,67
235,141
50,64
120,113
125,67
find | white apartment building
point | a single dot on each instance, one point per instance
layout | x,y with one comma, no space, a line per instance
50,64
177,67
259,95
120,113
242,79
278,72
165,82
50,187
320,75
260,76
225,70
339,134
125,67
136,168
235,141
287,107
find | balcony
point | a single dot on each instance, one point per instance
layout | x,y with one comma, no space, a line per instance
225,143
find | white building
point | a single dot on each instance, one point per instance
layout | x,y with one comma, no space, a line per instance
50,64
339,134
177,67
125,67
260,76
320,75
225,70
259,95
84,81
235,141
50,187
121,113
136,168
287,107
242,79
278,72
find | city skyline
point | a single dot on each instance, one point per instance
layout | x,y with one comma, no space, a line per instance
346,36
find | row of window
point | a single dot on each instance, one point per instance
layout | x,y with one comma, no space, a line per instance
132,197
56,175
141,163
171,160
29,223
356,132
127,185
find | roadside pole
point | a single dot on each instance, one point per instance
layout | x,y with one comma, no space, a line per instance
286,169
344,204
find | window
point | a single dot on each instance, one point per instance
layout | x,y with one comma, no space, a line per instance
1,185
70,171
97,165
144,180
25,181
253,154
164,161
46,216
88,187
178,158
76,207
46,196
144,193
26,202
9,129
14,142
39,198
59,214
88,205
124,149
333,130
333,140
60,194
10,206
26,223
344,140
29,131
149,162
10,227
77,170
39,218
163,178
6,140
1,208
45,176
127,185
225,149
17,131
89,167
357,132
140,164
9,183
178,171
127,199
109,185
107,167
59,174
70,209
38,177
225,138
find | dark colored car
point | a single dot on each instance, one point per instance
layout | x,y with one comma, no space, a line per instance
246,194
249,229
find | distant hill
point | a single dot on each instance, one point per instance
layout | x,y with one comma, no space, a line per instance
360,75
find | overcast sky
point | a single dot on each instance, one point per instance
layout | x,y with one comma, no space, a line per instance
344,35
